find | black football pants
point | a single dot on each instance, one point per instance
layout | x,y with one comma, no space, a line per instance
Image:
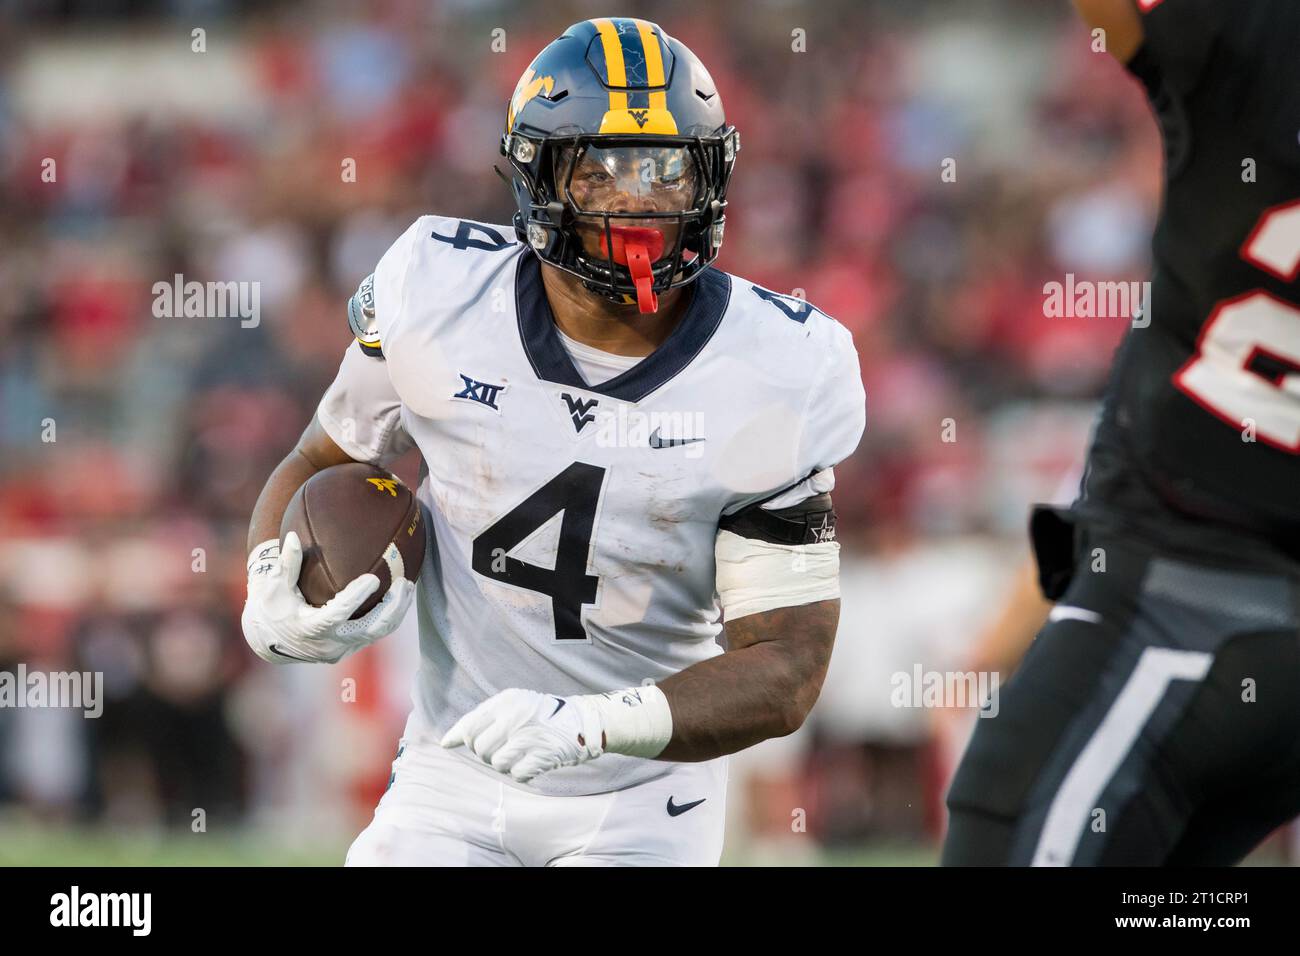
1154,721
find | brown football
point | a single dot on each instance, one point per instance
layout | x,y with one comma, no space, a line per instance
346,517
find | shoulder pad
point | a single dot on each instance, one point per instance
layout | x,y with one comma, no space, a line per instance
361,317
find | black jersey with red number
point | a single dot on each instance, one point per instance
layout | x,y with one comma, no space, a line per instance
1198,441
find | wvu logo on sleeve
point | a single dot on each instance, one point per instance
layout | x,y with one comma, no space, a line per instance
481,393
580,411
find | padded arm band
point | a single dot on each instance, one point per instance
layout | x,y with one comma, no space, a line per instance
809,522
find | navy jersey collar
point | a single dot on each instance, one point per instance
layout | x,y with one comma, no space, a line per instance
551,361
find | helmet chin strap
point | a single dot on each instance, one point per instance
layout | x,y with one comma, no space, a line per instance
637,247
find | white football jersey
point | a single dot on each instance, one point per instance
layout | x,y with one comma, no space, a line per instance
573,525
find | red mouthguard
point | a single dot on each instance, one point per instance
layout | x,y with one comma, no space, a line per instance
637,247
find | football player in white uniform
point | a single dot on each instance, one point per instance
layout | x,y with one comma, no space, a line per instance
622,448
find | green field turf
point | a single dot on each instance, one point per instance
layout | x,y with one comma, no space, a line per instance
24,844
62,846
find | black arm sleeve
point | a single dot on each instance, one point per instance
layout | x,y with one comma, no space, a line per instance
811,521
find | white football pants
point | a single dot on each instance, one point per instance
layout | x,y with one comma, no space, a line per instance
441,809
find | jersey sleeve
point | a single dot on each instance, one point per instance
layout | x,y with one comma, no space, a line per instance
830,427
836,414
377,303
361,410
1178,36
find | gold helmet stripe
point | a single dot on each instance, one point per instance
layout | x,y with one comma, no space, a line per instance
619,118
615,69
654,64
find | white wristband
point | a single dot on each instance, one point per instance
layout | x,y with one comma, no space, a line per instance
637,720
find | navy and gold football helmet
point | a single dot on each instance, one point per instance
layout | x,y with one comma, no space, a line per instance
621,156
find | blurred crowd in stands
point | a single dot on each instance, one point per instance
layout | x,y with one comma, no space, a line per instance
920,170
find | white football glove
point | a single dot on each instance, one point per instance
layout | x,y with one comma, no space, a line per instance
524,733
281,627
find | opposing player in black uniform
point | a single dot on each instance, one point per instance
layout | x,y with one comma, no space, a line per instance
1156,718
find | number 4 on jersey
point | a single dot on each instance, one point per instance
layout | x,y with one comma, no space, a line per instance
576,492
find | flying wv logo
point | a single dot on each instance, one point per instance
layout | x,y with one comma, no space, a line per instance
580,411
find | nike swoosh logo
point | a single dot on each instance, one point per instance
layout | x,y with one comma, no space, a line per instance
676,810
293,657
559,702
657,442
